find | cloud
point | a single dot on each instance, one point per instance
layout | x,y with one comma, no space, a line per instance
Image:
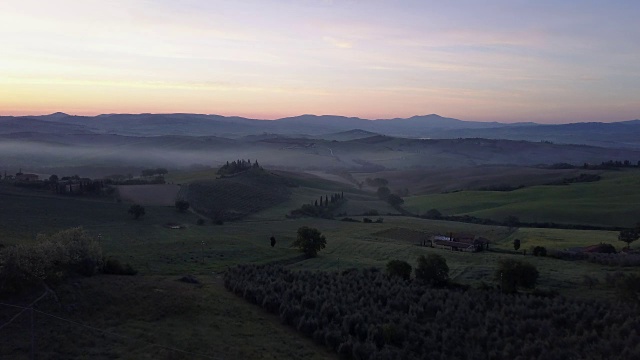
342,44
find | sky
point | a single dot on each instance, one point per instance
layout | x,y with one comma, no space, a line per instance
509,61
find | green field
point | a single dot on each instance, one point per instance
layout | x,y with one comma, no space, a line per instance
613,201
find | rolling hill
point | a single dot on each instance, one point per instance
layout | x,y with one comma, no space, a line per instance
615,134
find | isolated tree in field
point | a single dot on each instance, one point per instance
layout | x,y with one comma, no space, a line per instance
310,241
516,244
628,236
512,274
432,269
399,268
136,211
182,205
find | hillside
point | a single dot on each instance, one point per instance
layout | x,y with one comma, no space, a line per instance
612,201
234,197
616,134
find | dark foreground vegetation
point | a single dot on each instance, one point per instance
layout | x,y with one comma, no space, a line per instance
369,315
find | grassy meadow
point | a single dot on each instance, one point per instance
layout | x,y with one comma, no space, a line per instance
612,201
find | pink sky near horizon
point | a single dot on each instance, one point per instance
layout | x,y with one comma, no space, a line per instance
496,61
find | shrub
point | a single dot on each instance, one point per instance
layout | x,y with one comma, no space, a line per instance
49,259
399,268
115,267
136,211
539,251
182,205
628,287
200,221
367,220
432,269
512,274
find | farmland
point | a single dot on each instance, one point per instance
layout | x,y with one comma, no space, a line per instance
162,255
155,195
579,203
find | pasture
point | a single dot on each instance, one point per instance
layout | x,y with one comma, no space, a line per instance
154,195
612,201
154,249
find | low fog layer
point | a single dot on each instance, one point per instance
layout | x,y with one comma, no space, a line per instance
365,154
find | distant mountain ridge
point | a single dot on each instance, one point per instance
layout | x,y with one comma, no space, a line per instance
625,134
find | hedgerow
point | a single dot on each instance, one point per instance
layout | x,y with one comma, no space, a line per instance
366,314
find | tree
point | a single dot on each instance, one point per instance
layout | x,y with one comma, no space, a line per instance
516,244
511,221
433,214
512,274
53,178
383,192
310,241
137,211
182,205
273,241
628,236
432,269
394,200
399,268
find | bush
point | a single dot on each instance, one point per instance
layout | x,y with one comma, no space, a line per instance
367,220
200,221
136,211
399,268
512,274
432,269
182,205
539,251
114,267
49,259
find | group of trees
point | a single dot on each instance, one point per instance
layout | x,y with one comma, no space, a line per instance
384,193
511,221
431,269
153,172
367,314
238,166
323,209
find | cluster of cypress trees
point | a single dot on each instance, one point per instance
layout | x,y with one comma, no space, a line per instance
365,314
237,166
323,208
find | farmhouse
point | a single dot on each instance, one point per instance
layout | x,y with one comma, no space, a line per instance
460,242
26,177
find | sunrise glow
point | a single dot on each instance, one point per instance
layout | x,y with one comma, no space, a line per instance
543,61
